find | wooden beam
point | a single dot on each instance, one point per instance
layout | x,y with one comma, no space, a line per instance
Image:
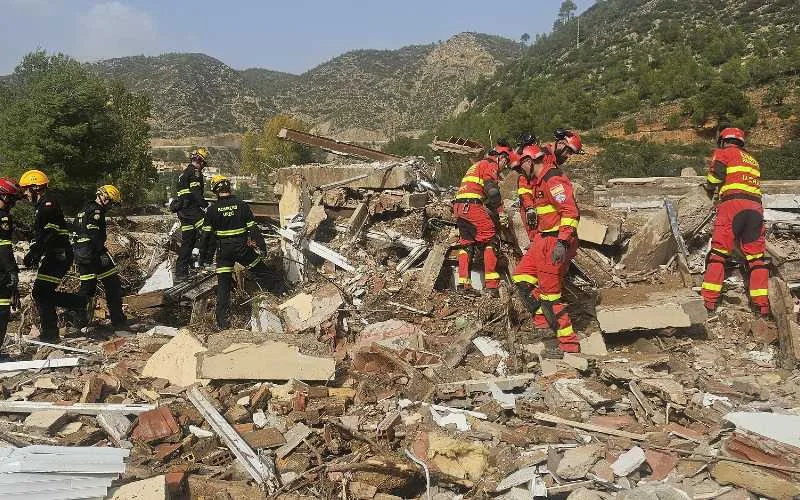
344,148
544,417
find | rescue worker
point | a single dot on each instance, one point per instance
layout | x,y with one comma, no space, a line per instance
478,209
527,210
736,175
9,272
230,221
567,143
51,252
539,274
94,261
189,205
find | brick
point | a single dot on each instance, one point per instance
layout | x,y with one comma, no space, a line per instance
660,463
269,437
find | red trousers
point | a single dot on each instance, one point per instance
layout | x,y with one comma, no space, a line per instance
539,280
477,230
739,222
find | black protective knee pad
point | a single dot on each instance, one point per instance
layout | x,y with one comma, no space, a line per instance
467,229
531,304
747,226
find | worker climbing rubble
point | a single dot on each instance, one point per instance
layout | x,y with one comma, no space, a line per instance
230,221
51,252
735,175
478,209
190,205
540,273
92,257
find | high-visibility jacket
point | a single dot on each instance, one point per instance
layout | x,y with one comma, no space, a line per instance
525,192
90,227
554,199
230,217
49,226
190,198
735,172
7,262
480,183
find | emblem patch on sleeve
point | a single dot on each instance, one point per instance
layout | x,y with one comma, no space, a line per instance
558,192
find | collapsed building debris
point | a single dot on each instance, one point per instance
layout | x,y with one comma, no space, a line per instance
365,375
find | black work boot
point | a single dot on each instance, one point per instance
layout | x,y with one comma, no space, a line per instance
552,350
468,291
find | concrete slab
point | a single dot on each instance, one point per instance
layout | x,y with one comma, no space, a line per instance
46,421
154,488
646,309
268,361
379,175
176,361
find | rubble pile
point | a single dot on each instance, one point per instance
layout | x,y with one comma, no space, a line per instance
371,378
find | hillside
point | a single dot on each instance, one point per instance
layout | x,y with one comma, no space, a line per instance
365,93
193,94
640,58
399,90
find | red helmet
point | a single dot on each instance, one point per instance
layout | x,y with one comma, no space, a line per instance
501,149
533,152
573,142
9,188
731,134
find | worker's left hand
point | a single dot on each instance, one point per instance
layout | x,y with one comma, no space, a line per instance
105,260
711,190
559,252
31,260
503,219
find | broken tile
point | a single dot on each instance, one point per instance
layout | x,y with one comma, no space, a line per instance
267,361
578,461
47,420
154,425
176,361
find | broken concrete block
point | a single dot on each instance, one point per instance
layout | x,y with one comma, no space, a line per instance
269,437
176,361
305,311
395,334
592,231
267,361
376,175
651,491
578,362
665,388
628,462
154,488
264,321
594,345
577,462
46,421
116,425
362,491
643,308
237,414
755,479
432,268
654,244
294,437
415,200
584,494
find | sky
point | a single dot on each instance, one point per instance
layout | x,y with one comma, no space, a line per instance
292,36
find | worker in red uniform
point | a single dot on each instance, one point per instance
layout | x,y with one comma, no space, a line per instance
539,274
527,211
478,208
740,219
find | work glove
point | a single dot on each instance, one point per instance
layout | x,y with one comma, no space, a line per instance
503,217
711,190
530,215
31,259
559,252
105,260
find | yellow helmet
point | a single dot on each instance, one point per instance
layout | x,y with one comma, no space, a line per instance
111,192
33,178
218,181
201,153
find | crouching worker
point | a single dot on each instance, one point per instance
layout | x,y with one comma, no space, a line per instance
9,272
94,261
230,221
478,208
